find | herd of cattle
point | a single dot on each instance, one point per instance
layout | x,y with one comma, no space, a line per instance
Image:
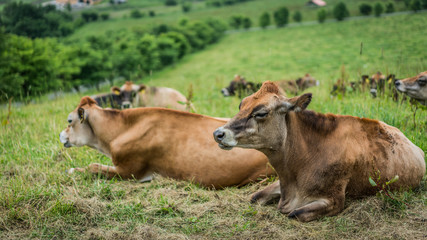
319,158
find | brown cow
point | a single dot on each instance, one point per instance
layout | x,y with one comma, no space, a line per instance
414,87
133,95
298,85
377,84
320,158
143,141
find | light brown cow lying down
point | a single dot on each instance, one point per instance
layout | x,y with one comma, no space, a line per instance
414,87
133,95
319,158
172,143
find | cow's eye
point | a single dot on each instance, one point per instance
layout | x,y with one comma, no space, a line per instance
70,120
260,115
422,82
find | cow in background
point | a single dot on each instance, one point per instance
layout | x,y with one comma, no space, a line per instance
377,84
240,87
414,87
298,85
109,100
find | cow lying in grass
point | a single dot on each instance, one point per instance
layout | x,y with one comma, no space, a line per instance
299,85
133,95
240,87
144,141
320,158
414,87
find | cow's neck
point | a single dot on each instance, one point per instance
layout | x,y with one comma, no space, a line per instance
106,126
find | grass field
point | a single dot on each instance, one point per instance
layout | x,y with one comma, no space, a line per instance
37,200
120,16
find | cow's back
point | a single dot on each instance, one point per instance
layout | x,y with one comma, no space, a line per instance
161,97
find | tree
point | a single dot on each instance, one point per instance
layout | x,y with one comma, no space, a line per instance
186,6
378,9
321,15
151,13
236,21
246,22
389,8
171,3
264,20
281,16
136,14
340,11
365,9
105,16
424,4
181,42
297,16
415,5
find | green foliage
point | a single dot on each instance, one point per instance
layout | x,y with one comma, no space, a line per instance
424,4
415,5
136,14
246,23
151,13
321,15
389,8
236,21
264,20
35,21
297,16
378,9
171,2
89,16
340,11
281,16
186,6
105,16
365,9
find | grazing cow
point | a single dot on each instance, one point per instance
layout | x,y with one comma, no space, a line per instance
133,95
143,141
111,100
377,83
240,87
341,87
298,85
320,158
414,87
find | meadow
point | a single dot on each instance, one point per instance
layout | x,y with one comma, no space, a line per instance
38,200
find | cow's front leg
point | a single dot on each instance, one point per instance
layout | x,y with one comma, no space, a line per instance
95,168
267,195
318,208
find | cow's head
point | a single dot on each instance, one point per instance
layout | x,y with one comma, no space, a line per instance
415,87
237,82
127,93
375,82
306,82
79,131
260,119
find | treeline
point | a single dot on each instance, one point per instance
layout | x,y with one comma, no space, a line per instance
220,3
31,67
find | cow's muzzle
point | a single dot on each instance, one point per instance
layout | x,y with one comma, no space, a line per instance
63,138
126,105
225,138
225,92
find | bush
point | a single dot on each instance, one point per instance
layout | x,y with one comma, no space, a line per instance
281,16
378,9
365,9
89,16
186,6
246,22
236,21
168,50
151,13
415,5
321,15
105,16
214,3
389,8
340,11
424,4
264,20
171,3
181,41
297,16
136,14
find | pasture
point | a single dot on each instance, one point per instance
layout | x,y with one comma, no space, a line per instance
37,200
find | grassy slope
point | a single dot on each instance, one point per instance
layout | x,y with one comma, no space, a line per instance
170,15
38,200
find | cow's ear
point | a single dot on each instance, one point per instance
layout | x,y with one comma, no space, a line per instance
142,88
81,113
296,104
115,90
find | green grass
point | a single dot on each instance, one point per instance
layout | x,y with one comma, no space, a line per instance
120,16
37,200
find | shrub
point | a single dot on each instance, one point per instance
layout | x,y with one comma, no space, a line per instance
389,8
365,9
186,6
171,3
340,11
181,42
321,15
297,16
151,13
264,20
281,16
105,16
415,5
136,14
168,50
424,4
236,21
246,22
378,9
214,3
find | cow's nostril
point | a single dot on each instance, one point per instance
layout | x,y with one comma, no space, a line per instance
219,135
